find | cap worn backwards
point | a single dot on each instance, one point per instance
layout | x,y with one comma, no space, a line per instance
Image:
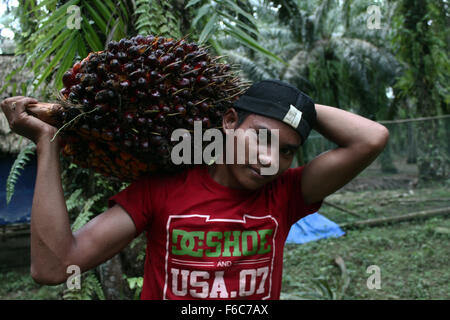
281,101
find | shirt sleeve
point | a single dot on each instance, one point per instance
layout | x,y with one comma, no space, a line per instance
297,207
135,200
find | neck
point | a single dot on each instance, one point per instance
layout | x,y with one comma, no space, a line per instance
222,175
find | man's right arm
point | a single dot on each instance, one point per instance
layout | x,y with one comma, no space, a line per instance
53,245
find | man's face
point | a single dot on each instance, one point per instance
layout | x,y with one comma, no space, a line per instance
248,175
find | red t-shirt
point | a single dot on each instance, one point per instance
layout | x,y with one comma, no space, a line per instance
207,241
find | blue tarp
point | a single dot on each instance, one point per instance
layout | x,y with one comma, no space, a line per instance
313,227
19,209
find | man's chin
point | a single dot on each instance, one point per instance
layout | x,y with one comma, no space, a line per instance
252,179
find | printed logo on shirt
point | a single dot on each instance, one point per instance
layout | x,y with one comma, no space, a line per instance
219,258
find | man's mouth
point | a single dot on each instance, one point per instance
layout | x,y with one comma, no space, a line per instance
256,172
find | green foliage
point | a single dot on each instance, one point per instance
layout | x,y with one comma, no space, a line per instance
74,200
412,255
19,164
50,46
136,242
135,284
331,287
84,202
90,288
90,285
157,17
85,214
54,43
228,18
422,45
18,284
326,58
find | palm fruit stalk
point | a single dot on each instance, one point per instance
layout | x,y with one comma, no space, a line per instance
119,106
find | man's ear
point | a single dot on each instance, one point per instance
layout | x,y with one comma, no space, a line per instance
230,119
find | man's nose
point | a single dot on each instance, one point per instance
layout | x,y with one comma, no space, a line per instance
265,159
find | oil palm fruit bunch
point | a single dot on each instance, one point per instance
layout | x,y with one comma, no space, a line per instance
119,106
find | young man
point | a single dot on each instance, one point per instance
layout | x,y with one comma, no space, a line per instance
214,232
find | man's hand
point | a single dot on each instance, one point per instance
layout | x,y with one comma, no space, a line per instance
20,122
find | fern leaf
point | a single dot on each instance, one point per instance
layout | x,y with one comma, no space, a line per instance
74,200
85,214
90,288
19,164
95,286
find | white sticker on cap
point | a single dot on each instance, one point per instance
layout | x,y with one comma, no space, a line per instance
293,117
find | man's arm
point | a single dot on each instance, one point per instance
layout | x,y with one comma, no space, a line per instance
53,245
359,141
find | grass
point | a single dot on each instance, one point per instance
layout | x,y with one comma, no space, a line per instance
413,256
18,285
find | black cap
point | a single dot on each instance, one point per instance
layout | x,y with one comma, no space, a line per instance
281,101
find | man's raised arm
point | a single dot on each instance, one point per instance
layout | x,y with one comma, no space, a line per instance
359,141
53,245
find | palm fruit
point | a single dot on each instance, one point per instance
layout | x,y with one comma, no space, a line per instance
119,106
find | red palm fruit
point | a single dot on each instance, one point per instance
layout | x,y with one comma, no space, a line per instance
107,135
202,80
164,108
141,121
204,107
129,117
185,67
165,60
156,140
184,82
180,109
65,92
68,78
76,67
206,123
134,89
201,65
160,117
155,94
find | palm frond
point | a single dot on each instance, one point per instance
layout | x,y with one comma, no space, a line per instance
251,69
56,43
23,157
157,17
296,67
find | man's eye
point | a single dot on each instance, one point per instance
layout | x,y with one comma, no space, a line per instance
286,151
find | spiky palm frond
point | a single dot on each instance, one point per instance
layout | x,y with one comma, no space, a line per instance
68,31
251,70
157,17
344,71
23,157
233,19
